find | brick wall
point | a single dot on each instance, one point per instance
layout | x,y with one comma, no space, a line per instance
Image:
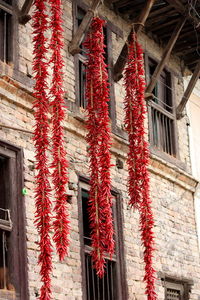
172,188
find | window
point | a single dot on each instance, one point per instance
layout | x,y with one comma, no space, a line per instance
162,113
113,285
80,60
176,290
13,283
80,65
6,20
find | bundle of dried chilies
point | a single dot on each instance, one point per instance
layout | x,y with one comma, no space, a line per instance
60,164
98,138
42,106
138,156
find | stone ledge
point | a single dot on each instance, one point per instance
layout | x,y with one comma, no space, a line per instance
17,94
172,173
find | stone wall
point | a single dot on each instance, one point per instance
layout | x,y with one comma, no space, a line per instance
172,188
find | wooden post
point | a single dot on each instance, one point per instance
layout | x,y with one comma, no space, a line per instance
165,56
188,91
78,36
23,14
121,61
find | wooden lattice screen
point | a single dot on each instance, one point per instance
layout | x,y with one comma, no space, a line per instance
173,294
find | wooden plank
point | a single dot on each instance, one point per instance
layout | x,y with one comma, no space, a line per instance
165,56
160,26
188,91
24,16
6,8
131,9
154,20
160,11
79,35
122,3
121,61
5,151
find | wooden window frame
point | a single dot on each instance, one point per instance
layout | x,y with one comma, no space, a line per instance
175,158
110,28
121,271
12,10
11,69
182,285
19,250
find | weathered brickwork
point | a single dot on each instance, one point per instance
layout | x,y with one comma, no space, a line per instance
172,188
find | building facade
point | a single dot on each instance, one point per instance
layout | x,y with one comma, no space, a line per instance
192,110
173,186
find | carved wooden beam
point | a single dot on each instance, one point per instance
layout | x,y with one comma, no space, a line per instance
165,56
188,91
24,16
183,9
79,35
121,61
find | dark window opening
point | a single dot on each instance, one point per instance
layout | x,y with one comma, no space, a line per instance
82,82
13,255
163,90
162,113
96,288
81,62
5,36
86,222
110,286
5,229
104,288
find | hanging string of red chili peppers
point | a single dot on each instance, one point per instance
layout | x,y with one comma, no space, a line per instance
41,104
60,164
98,138
138,156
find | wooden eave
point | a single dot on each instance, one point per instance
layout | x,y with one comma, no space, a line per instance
161,21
